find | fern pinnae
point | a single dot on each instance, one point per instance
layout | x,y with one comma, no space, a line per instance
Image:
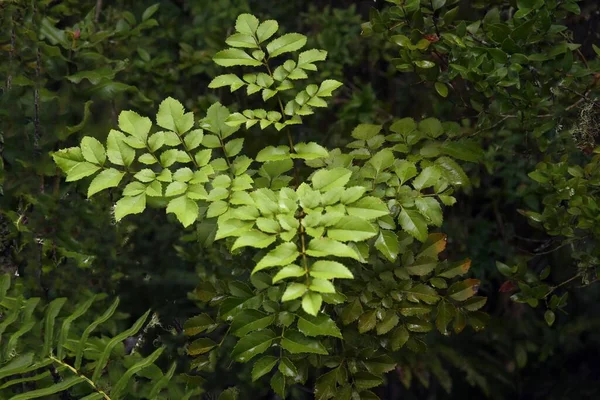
162,382
17,365
45,392
51,313
101,363
140,365
66,326
84,337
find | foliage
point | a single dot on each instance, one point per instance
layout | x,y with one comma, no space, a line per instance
347,206
57,351
311,222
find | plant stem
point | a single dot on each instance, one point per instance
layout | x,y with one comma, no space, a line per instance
88,380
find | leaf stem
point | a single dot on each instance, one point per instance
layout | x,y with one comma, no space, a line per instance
88,380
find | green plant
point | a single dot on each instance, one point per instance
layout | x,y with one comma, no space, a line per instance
46,351
515,70
332,232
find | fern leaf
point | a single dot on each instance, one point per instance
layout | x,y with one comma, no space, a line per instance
51,313
66,326
16,366
116,391
56,388
101,363
89,329
34,378
162,382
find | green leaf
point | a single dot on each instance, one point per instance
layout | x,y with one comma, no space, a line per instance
466,150
284,254
272,153
366,380
432,127
456,269
287,367
286,43
232,393
295,342
47,392
421,267
352,194
277,383
388,323
266,29
474,303
310,151
368,208
382,160
367,321
149,12
308,57
253,238
321,286
171,115
430,209
263,366
325,269
117,390
311,303
351,312
327,87
549,317
366,131
185,209
241,40
326,385
250,320
352,229
201,346
422,292
327,179
130,205
505,269
197,324
442,89
293,291
92,150
289,271
387,244
252,345
101,362
399,338
104,180
246,24
233,147
134,124
425,64
453,172
460,291
323,247
231,80
445,313
413,223
117,150
81,170
427,178
215,122
321,325
233,57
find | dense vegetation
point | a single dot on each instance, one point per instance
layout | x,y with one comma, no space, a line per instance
244,199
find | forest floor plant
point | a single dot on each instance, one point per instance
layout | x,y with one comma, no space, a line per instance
344,272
